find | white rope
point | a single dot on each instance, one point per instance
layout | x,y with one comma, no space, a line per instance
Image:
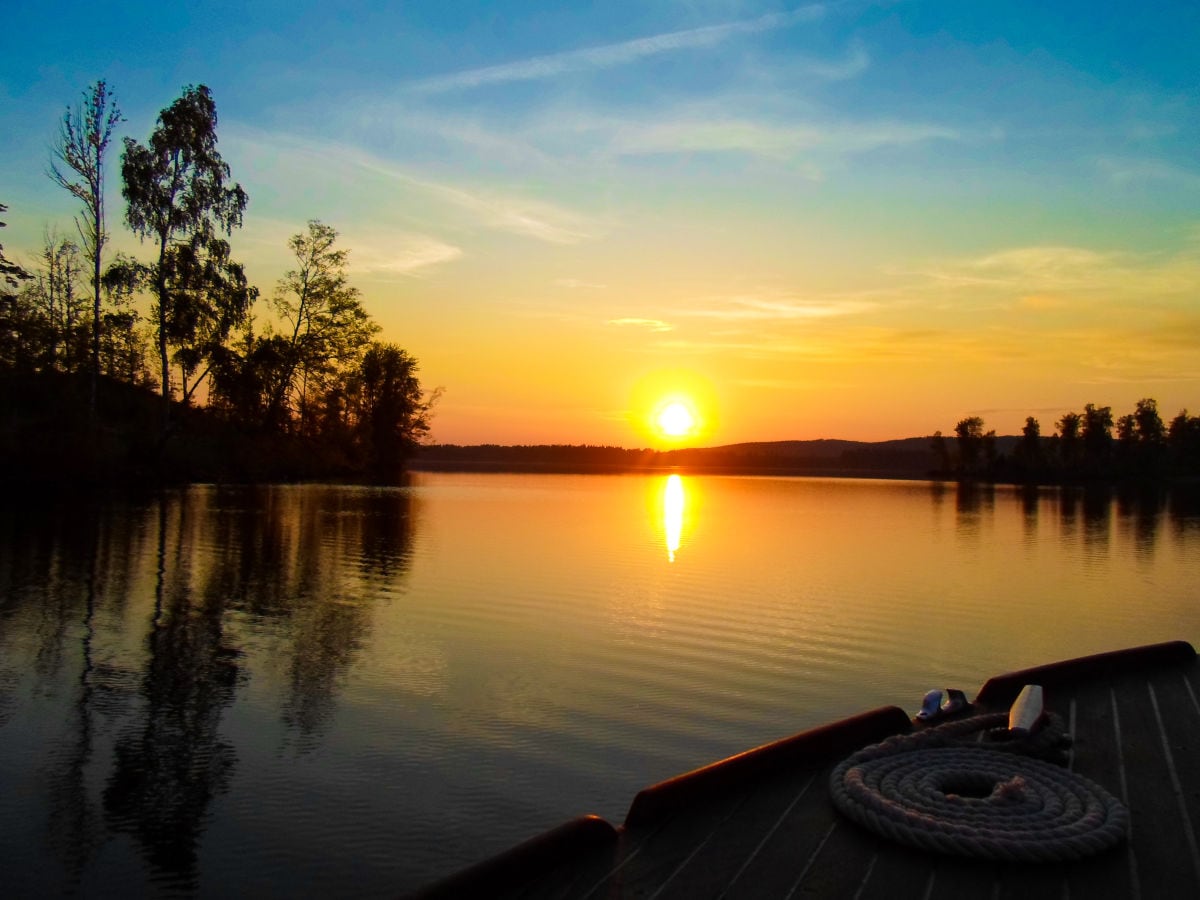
935,791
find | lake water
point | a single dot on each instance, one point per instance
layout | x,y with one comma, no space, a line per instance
305,690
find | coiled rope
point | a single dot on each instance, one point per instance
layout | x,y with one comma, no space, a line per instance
937,790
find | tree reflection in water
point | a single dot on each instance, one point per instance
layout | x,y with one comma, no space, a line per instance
168,768
139,748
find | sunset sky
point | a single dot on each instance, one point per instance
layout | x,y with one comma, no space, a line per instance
848,220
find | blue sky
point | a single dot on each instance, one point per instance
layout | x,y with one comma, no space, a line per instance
842,220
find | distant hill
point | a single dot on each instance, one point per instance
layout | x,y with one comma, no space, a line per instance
904,458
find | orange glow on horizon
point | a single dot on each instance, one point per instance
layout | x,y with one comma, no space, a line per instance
670,408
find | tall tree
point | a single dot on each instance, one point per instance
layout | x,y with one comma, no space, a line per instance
210,297
1029,451
176,188
1097,437
1068,428
78,167
969,435
325,326
1150,427
1127,429
392,413
1183,438
1142,440
55,308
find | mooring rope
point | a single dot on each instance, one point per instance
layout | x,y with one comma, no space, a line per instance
937,790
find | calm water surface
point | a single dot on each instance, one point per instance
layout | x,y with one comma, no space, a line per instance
298,691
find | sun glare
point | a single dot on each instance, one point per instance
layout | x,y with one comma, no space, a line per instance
676,420
673,502
671,407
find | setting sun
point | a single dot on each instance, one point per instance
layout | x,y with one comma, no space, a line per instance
668,407
676,420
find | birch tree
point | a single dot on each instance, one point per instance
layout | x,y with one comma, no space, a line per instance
325,327
77,166
178,192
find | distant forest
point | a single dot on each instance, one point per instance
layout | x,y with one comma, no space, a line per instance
94,389
911,458
1084,449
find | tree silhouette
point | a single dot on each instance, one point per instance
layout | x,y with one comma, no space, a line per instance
1150,427
1084,449
391,411
325,324
1029,451
210,297
1097,438
177,192
10,273
1183,439
47,317
82,142
123,347
969,435
1068,430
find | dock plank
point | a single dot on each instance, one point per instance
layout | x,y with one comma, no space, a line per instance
1096,755
840,866
741,882
1178,720
1159,845
956,877
787,848
665,850
736,846
899,874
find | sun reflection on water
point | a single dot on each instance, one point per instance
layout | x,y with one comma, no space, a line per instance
673,501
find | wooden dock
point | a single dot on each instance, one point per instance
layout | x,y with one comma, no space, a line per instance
762,825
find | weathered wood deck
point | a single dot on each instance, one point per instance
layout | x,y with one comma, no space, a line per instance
761,824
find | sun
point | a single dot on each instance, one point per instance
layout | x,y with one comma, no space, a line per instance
669,408
676,420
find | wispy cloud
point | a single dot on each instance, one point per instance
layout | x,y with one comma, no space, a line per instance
392,121
617,54
493,208
747,348
759,309
1140,171
1074,272
400,254
560,136
650,324
703,134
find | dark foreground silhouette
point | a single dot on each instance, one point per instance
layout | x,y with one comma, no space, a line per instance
49,439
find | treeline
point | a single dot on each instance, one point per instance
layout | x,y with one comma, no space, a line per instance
1087,446
909,458
532,458
312,377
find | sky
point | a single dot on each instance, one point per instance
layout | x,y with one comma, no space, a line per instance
839,220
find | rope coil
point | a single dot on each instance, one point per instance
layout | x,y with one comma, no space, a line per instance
936,790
